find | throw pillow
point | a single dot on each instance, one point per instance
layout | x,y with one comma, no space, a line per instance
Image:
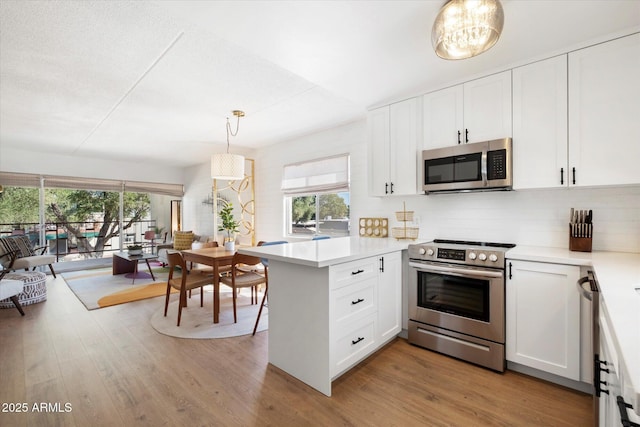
5,248
182,240
24,246
20,244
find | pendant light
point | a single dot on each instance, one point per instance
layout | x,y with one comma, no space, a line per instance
466,28
226,165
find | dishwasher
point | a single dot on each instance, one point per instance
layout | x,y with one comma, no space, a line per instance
588,286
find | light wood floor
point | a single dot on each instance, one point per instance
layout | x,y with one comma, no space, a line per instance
114,369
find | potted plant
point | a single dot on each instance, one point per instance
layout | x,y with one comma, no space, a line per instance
158,231
230,225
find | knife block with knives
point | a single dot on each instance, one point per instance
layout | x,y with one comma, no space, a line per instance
581,230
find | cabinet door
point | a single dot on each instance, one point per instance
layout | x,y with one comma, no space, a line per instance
608,407
543,317
390,296
403,146
487,108
378,129
442,118
540,124
604,130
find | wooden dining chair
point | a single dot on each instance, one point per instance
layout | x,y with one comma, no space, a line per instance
265,263
257,268
183,283
243,279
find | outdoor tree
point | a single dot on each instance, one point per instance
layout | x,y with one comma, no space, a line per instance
332,205
303,209
73,207
19,205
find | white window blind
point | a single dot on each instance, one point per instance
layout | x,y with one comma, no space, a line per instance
329,174
32,180
176,190
82,183
11,179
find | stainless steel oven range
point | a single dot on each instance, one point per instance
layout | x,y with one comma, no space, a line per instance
457,299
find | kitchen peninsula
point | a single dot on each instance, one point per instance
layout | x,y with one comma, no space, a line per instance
332,303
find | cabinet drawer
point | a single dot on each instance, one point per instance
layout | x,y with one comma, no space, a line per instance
354,344
354,301
352,272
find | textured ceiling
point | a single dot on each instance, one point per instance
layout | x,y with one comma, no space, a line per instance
156,80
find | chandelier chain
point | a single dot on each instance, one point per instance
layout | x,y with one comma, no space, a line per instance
229,131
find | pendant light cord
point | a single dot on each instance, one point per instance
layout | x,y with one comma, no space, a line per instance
229,131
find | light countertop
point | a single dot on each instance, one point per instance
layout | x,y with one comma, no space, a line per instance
618,276
327,252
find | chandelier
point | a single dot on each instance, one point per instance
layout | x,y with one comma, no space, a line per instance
466,28
226,165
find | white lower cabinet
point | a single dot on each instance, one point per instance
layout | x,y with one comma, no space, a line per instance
543,317
365,308
325,320
390,297
612,379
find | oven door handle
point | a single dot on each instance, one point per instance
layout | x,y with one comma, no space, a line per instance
456,271
587,294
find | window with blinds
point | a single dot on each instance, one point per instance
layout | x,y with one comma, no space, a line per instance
317,197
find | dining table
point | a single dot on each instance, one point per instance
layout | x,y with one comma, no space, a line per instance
216,258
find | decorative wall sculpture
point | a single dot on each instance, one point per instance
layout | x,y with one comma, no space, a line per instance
241,194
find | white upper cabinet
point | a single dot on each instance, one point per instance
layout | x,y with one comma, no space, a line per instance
378,129
442,117
604,113
487,108
479,110
540,124
394,138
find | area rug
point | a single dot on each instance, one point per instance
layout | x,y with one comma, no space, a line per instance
100,288
197,322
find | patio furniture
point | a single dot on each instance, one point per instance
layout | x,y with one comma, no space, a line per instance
26,256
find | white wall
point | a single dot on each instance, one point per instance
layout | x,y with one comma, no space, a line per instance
531,217
196,215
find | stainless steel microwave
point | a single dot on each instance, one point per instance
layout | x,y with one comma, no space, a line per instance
480,166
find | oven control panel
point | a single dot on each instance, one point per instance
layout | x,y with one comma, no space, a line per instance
452,254
490,257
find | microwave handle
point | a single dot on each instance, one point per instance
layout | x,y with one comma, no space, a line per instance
483,168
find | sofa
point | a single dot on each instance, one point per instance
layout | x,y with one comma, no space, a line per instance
182,240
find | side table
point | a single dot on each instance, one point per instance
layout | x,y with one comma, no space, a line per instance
125,263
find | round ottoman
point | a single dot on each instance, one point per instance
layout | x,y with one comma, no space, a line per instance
35,288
